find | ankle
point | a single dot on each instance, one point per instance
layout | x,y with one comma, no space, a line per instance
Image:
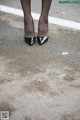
28,19
43,19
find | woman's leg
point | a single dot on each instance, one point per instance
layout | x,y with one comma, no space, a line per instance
28,21
43,21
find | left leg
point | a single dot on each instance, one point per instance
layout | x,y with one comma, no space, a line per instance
28,20
43,21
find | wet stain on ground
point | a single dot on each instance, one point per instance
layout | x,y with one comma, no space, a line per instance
3,40
4,81
27,118
19,65
37,85
5,106
73,74
76,86
10,98
68,117
69,78
71,116
40,87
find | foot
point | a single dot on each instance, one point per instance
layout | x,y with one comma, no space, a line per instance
30,40
29,27
42,31
42,40
43,27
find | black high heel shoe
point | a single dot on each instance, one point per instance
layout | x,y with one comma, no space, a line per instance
30,40
42,40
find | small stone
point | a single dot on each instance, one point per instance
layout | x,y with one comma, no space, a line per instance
14,83
63,12
40,80
9,73
40,95
65,53
28,72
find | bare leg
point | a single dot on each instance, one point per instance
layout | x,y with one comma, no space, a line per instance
43,21
28,21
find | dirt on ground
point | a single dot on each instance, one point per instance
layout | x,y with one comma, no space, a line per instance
39,82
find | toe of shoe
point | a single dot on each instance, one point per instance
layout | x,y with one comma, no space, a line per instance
30,40
42,40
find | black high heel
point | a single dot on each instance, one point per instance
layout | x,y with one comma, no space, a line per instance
42,40
30,40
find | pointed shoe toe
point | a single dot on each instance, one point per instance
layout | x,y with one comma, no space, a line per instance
30,40
42,40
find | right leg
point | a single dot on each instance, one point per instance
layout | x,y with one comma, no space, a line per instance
43,22
28,21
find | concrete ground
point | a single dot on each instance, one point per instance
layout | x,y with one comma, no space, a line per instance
39,82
